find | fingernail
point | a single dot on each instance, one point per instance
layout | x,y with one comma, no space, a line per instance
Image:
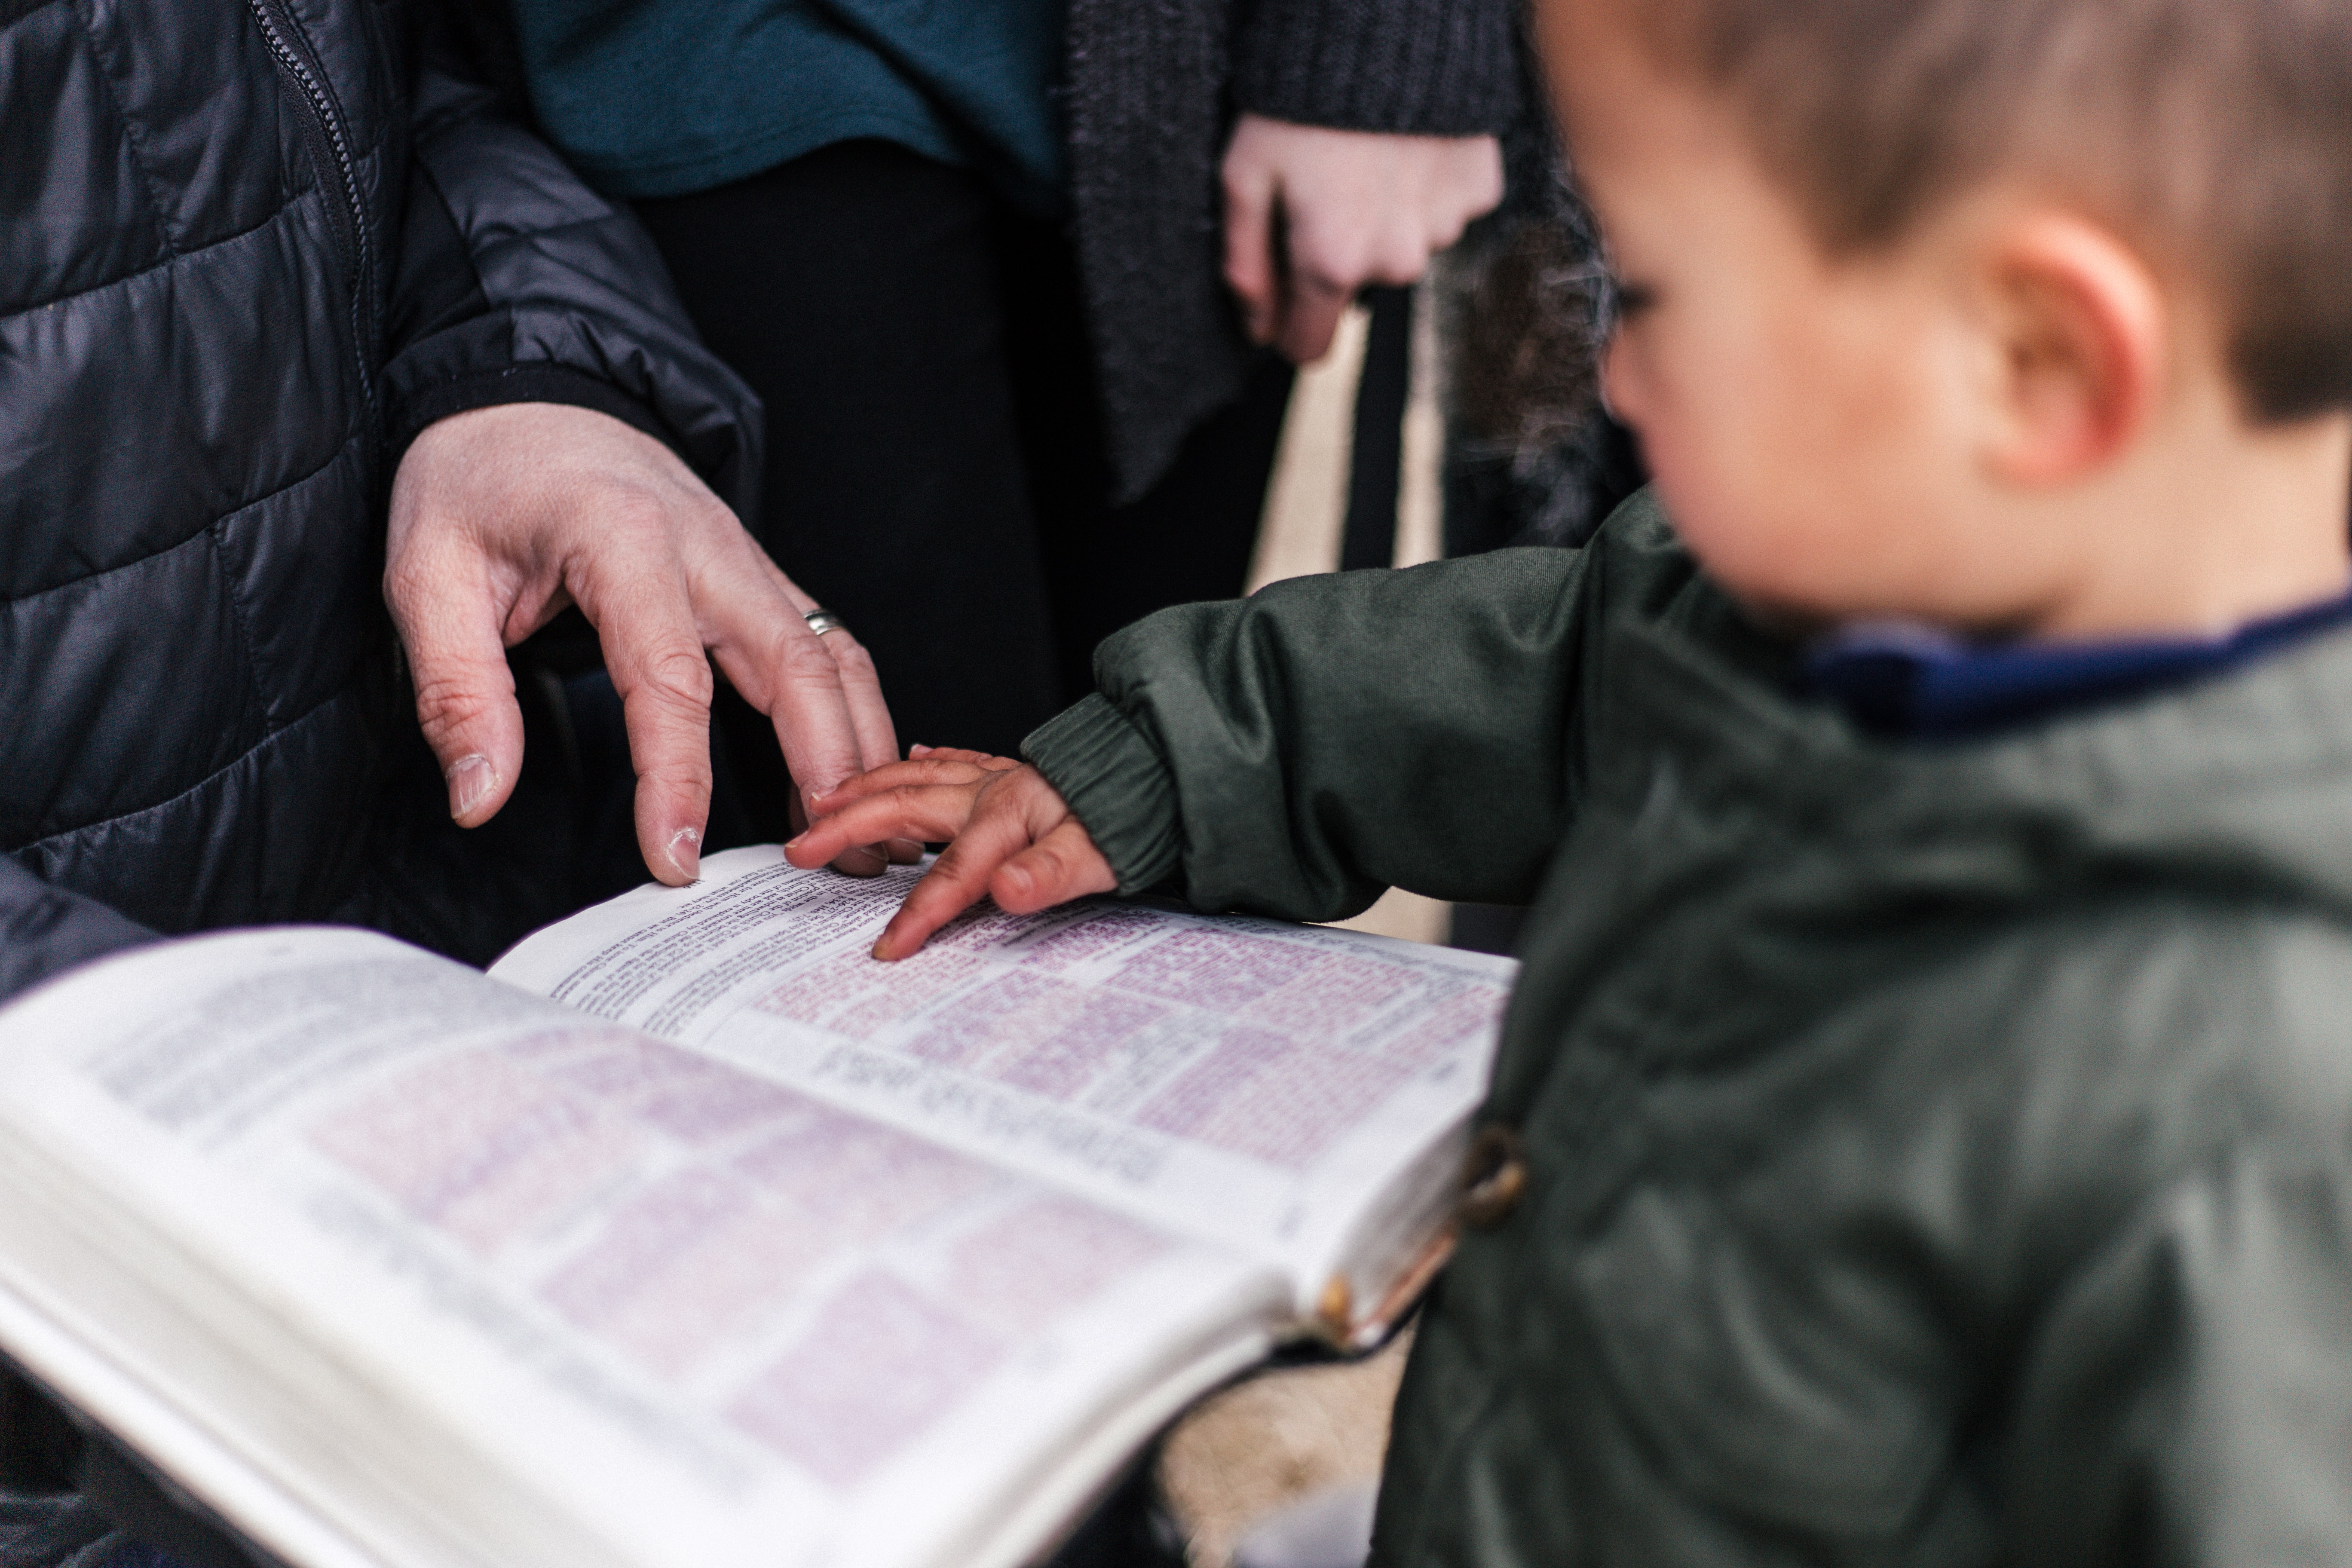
471,780
794,841
918,751
685,852
879,944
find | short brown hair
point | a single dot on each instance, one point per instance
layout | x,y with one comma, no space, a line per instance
2217,133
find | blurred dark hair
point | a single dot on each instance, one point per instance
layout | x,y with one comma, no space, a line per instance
2216,134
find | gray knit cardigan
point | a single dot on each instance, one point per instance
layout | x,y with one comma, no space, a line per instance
1153,85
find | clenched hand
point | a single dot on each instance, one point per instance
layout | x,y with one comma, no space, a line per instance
1312,215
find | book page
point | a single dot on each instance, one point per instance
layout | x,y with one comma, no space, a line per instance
1249,1080
396,1232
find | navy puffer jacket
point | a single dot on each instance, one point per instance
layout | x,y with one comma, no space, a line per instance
248,249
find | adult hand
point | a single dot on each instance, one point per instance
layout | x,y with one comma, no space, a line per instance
1312,215
503,517
1014,838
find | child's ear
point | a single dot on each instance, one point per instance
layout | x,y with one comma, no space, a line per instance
2078,324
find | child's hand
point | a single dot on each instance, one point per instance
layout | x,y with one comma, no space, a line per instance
1014,838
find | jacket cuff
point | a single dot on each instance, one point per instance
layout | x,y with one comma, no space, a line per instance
1405,67
523,383
1116,784
45,931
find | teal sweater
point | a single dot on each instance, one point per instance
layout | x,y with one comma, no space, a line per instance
652,98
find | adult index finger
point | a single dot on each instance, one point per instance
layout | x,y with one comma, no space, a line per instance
653,650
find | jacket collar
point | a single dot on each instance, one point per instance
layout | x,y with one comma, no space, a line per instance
1903,679
2244,777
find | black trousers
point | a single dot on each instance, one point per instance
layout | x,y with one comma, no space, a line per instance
935,469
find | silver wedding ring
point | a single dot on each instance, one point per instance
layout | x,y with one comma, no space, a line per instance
824,621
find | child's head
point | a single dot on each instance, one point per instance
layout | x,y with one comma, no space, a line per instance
2006,314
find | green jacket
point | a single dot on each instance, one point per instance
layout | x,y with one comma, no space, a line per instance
1935,1154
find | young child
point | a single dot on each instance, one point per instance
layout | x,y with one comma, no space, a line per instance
1922,1132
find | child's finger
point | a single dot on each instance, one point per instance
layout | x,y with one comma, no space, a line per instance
920,813
989,759
956,881
1062,866
923,771
943,894
800,821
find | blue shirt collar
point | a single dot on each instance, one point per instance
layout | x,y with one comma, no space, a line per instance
1898,679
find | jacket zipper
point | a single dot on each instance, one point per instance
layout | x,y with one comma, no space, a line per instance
331,151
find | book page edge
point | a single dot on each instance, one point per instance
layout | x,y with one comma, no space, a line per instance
167,1438
1061,1499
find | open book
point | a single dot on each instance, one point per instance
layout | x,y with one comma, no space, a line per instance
693,1236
